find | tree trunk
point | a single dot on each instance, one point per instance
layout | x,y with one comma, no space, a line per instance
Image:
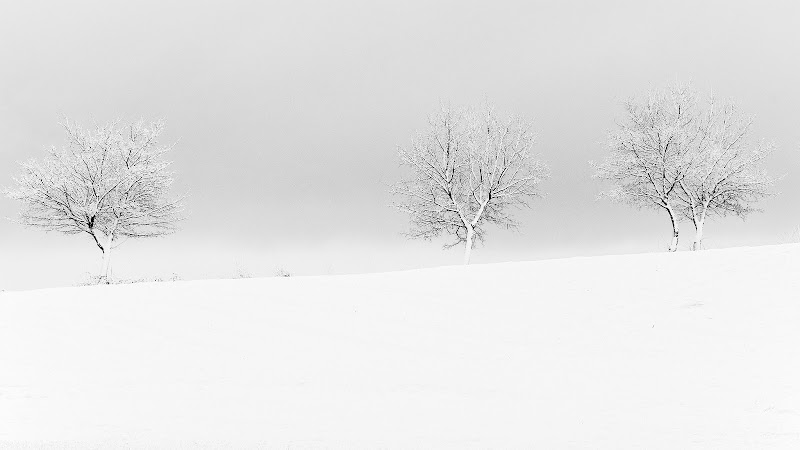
105,271
698,237
468,245
673,246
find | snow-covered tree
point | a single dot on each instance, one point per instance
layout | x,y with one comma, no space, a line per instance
688,157
468,170
110,182
725,176
652,150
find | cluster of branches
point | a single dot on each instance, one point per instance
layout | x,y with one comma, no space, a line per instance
110,182
689,158
467,171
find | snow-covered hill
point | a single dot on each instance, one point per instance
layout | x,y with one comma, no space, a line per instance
653,351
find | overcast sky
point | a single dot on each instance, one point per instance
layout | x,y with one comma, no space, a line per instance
288,113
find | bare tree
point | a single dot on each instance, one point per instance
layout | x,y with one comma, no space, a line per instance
468,170
651,152
110,182
725,177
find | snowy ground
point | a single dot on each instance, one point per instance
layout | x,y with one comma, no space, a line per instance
653,351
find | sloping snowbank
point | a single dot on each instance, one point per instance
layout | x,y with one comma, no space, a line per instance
656,351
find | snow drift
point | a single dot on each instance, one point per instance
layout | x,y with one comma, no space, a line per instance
657,351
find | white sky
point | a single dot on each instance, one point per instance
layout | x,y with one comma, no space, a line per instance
289,113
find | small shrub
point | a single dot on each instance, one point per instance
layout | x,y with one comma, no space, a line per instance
281,272
94,280
792,237
241,272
